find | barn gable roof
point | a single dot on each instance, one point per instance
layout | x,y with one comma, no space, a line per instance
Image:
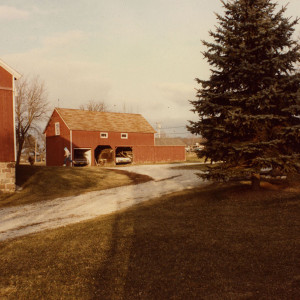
10,70
84,120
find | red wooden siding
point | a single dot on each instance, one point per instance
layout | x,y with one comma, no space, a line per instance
114,139
91,139
5,79
7,149
55,144
153,154
142,144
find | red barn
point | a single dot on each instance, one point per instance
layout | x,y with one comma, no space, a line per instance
104,137
7,127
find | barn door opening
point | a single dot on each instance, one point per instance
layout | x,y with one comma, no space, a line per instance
104,154
82,157
124,155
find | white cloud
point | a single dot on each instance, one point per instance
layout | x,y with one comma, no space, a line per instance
64,38
178,93
68,76
12,13
39,11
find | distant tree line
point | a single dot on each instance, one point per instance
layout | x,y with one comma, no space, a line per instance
94,106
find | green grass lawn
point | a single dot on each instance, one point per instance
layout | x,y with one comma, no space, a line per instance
43,183
217,242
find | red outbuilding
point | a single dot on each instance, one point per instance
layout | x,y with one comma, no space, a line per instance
104,137
7,127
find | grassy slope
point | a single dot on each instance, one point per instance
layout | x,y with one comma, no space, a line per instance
192,157
212,243
44,183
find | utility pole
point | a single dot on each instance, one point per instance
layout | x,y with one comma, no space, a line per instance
158,127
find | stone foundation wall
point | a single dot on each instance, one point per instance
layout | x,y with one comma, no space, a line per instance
7,177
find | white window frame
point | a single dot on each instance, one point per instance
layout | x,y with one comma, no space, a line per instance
103,135
57,128
125,137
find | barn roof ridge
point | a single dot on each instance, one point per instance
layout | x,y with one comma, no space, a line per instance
84,120
10,70
101,112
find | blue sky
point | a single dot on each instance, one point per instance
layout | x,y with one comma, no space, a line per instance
137,56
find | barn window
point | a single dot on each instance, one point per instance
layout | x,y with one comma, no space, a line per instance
103,135
124,136
57,128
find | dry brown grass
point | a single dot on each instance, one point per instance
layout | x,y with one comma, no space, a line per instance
218,242
43,183
192,157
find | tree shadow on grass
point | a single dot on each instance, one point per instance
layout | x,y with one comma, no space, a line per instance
226,244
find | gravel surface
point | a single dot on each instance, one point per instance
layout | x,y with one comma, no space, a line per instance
26,219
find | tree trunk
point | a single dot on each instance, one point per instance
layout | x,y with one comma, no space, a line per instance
255,181
19,152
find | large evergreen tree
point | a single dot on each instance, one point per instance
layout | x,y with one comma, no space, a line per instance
249,110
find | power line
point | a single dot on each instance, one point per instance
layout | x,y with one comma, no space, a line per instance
173,127
177,133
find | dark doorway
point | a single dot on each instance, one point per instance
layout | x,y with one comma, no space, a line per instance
104,155
82,157
124,155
